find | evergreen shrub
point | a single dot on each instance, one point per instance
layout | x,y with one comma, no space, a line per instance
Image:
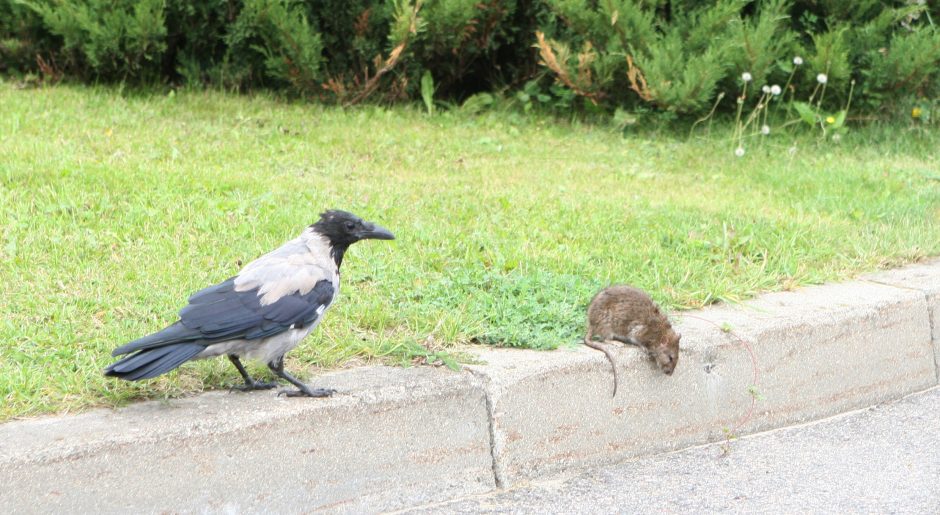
678,57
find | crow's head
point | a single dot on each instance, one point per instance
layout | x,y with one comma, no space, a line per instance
343,229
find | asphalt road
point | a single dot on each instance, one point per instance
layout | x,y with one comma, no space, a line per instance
880,460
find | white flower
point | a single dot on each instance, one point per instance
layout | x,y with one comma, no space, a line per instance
765,88
821,78
797,60
746,77
765,129
775,90
739,151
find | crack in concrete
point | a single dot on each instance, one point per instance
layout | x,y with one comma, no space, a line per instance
931,323
936,345
498,476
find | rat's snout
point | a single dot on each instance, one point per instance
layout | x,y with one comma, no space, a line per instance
666,362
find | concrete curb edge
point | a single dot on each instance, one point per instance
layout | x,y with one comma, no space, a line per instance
398,437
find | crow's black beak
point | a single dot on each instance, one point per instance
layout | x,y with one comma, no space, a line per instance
376,232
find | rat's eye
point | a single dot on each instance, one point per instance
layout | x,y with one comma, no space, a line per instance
350,226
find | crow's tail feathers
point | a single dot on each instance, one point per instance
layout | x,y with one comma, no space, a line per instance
153,361
176,333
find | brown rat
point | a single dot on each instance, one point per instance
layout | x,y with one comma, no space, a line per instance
628,315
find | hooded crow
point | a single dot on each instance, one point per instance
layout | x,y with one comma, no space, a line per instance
261,313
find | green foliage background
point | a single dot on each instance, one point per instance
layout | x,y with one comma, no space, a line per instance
683,52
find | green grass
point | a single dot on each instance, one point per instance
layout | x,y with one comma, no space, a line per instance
114,208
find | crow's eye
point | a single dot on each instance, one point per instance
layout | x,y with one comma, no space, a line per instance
350,226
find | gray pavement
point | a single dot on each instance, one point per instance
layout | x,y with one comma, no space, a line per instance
884,459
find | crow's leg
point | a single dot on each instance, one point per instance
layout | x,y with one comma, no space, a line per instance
277,366
250,384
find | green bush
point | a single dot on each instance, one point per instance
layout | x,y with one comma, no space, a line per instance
674,56
892,54
197,46
109,38
21,37
462,42
273,39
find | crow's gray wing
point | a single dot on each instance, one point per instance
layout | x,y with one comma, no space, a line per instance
296,267
219,313
289,287
215,314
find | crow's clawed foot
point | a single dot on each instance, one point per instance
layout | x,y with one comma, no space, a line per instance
250,383
254,385
304,391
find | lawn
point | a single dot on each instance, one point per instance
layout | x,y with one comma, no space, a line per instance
114,207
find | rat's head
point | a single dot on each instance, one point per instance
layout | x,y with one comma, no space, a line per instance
666,351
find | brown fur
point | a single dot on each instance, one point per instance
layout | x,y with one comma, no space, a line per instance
628,315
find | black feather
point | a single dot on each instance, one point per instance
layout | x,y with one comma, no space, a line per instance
217,314
140,359
175,333
220,313
153,362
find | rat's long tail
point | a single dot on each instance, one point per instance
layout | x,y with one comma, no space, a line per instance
599,346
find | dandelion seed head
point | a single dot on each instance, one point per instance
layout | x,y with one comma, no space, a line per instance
746,77
765,88
836,137
822,79
797,60
739,151
765,129
775,90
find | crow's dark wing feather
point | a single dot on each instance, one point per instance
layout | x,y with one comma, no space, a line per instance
153,362
220,313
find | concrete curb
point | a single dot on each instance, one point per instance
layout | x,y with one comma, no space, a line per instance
925,279
399,437
393,438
